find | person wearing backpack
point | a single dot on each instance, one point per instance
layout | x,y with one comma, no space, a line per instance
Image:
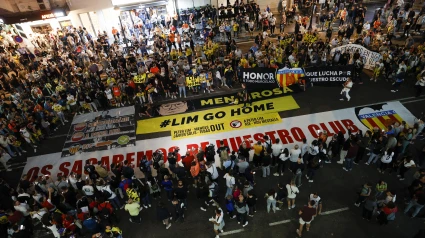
145,166
276,150
125,182
223,152
101,171
154,188
105,211
213,193
267,144
387,213
230,163
363,194
292,190
132,193
110,195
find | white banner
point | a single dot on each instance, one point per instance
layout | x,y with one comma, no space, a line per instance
290,131
369,57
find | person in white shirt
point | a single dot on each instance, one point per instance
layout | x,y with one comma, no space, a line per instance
385,161
405,166
213,170
283,157
230,183
27,137
271,200
347,87
291,58
292,194
272,21
265,35
366,27
88,188
4,157
113,199
218,221
276,150
222,34
22,207
318,202
72,180
38,214
294,154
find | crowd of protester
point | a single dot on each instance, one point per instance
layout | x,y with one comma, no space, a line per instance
71,71
88,205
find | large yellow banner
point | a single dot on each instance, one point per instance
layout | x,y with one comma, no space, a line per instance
225,126
214,116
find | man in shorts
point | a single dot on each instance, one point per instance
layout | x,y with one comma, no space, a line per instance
306,216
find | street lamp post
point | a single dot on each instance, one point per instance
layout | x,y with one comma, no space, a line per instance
122,30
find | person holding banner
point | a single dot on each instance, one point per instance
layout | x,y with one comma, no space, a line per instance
347,87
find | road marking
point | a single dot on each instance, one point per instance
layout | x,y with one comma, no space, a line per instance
323,213
335,211
418,100
279,222
56,136
231,232
400,99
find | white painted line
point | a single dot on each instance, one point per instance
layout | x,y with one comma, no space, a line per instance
413,101
335,211
279,222
231,232
323,213
56,136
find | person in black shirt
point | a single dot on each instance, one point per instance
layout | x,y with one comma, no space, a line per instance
70,197
89,168
246,96
180,192
266,163
20,232
25,184
80,182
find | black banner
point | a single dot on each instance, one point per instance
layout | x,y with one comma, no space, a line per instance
259,78
332,76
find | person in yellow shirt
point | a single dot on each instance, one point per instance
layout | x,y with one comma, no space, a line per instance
244,62
258,150
189,82
235,29
133,209
189,55
173,55
196,84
